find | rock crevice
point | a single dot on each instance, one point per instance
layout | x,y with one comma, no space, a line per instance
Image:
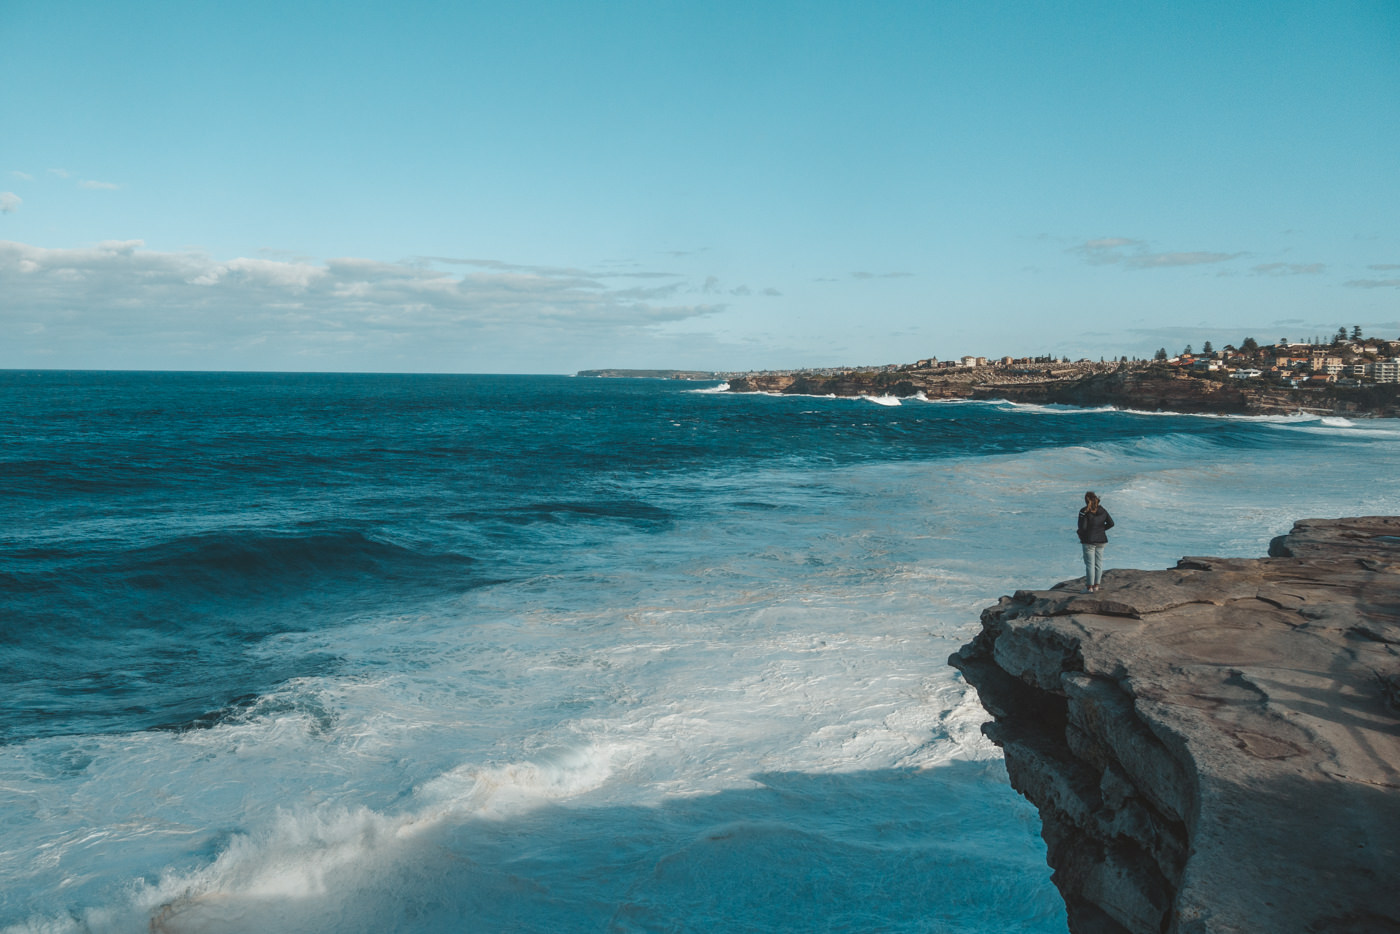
1214,747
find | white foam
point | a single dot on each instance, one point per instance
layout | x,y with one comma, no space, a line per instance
882,400
513,755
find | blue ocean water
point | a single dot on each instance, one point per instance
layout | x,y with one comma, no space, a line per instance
442,653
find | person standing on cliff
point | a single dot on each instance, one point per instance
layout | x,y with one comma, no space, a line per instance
1094,523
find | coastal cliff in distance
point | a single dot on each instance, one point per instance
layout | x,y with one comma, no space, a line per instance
1143,387
1216,747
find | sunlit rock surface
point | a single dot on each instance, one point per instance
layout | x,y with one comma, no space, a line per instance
1214,747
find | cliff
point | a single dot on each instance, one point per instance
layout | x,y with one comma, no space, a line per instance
1149,388
1216,747
1163,389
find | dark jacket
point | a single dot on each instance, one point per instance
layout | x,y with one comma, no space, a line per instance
1094,526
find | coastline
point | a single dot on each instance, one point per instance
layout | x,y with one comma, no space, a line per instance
1215,747
1148,388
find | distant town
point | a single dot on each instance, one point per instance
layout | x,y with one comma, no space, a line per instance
1347,359
1347,374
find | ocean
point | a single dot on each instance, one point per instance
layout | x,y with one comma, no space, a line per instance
383,653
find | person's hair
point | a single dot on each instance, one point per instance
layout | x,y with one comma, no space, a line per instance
1091,500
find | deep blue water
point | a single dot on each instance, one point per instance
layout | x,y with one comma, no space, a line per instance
630,593
160,522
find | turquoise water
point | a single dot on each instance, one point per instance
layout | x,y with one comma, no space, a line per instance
416,653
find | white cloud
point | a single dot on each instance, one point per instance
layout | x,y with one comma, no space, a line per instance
91,185
1374,283
1161,260
61,173
9,202
1134,254
22,176
119,290
1289,269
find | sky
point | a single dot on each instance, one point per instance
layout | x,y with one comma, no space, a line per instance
544,187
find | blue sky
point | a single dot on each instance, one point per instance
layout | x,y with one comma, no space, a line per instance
546,187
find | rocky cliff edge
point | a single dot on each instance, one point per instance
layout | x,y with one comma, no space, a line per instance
1215,747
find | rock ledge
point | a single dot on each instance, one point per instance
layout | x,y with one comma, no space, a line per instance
1216,747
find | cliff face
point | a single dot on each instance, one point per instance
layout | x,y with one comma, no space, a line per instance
1216,747
1148,388
1161,389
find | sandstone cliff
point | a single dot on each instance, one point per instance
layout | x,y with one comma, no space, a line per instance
1216,747
1143,387
1162,389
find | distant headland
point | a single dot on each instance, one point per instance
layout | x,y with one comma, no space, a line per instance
651,374
1348,375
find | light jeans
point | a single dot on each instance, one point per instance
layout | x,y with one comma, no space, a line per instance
1093,564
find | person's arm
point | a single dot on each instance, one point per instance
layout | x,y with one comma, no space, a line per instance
1107,519
1083,524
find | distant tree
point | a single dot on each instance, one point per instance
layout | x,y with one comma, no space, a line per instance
1161,354
1341,334
1250,345
1356,332
1187,351
1207,348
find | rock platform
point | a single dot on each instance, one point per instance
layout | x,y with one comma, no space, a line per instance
1215,747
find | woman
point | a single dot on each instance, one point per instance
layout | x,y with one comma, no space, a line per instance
1094,523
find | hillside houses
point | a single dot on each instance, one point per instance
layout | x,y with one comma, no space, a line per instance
1344,362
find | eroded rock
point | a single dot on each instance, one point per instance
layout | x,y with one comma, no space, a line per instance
1214,747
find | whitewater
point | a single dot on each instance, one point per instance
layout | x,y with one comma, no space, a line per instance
313,653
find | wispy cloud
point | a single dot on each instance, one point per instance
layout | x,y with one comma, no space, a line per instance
500,266
9,202
1106,250
92,185
880,275
121,288
1383,267
1374,283
22,176
1289,269
61,173
1163,260
1135,254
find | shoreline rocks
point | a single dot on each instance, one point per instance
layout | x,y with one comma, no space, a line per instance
1214,747
1142,387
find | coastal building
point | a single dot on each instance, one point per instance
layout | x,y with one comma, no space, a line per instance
1323,362
1386,371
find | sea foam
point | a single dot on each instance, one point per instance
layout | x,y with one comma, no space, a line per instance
703,634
